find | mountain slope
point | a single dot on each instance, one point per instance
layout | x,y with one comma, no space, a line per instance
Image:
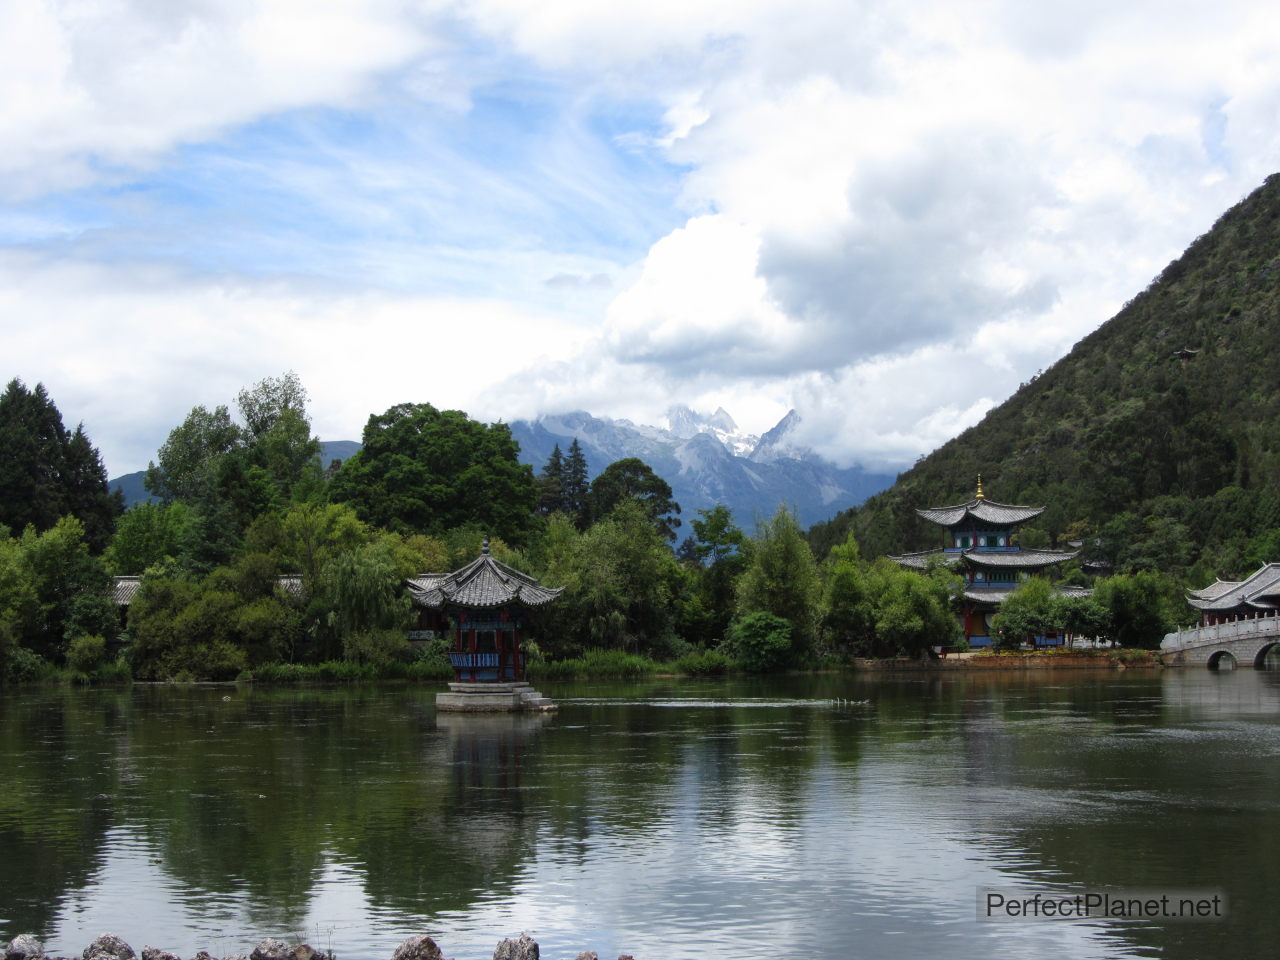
1185,451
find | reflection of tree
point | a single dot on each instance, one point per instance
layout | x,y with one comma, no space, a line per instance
55,801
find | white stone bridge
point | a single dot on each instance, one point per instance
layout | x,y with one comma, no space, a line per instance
1243,643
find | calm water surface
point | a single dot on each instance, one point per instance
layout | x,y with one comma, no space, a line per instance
816,816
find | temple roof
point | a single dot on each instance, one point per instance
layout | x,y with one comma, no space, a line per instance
484,582
999,594
1004,559
124,589
982,509
1261,591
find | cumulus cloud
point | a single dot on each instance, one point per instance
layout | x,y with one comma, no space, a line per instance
898,225
888,214
92,88
131,349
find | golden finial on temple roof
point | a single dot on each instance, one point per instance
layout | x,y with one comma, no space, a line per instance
981,495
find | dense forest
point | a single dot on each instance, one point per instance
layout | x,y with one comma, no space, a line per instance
1155,441
255,562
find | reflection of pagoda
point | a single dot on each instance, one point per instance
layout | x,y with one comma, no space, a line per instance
980,547
486,601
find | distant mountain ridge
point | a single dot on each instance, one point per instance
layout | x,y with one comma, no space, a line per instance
708,460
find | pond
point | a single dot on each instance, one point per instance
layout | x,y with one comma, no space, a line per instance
830,815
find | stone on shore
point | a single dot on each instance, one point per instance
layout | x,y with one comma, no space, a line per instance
525,948
109,947
24,947
420,947
155,953
587,955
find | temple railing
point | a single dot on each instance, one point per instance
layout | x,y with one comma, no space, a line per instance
473,660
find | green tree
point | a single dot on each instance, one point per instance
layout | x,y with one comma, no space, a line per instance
368,611
912,612
422,470
575,485
1030,611
189,457
72,589
848,614
47,472
621,581
781,578
760,642
1140,607
720,549
551,484
19,603
278,430
1083,616
148,533
631,479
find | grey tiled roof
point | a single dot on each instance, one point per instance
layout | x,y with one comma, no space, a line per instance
124,589
1019,558
1260,591
1004,559
1001,593
920,559
484,582
986,510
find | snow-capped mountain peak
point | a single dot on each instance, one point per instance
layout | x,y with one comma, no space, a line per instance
683,423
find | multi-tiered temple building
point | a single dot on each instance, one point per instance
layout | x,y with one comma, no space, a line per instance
1227,601
980,546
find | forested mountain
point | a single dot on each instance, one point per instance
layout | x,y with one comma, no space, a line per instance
1153,456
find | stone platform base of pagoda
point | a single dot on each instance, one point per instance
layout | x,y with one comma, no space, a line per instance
492,698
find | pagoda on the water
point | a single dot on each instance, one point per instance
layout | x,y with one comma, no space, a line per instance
486,604
980,546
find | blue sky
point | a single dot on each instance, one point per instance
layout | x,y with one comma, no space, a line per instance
885,216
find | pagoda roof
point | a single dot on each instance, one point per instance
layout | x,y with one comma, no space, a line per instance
483,583
1003,559
983,509
1261,591
1001,593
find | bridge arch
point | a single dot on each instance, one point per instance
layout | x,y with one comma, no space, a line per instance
1260,661
1222,660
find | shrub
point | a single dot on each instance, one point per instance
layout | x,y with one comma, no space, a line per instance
86,653
759,641
707,663
25,666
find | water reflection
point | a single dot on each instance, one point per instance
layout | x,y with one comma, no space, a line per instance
665,819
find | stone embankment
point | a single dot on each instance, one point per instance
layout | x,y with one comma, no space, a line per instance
110,947
1010,661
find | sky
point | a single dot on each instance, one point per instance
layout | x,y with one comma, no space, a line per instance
884,215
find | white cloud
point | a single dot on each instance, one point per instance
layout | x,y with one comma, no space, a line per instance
130,350
92,87
890,214
898,225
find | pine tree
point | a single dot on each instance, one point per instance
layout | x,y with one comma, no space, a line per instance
47,472
575,485
551,484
